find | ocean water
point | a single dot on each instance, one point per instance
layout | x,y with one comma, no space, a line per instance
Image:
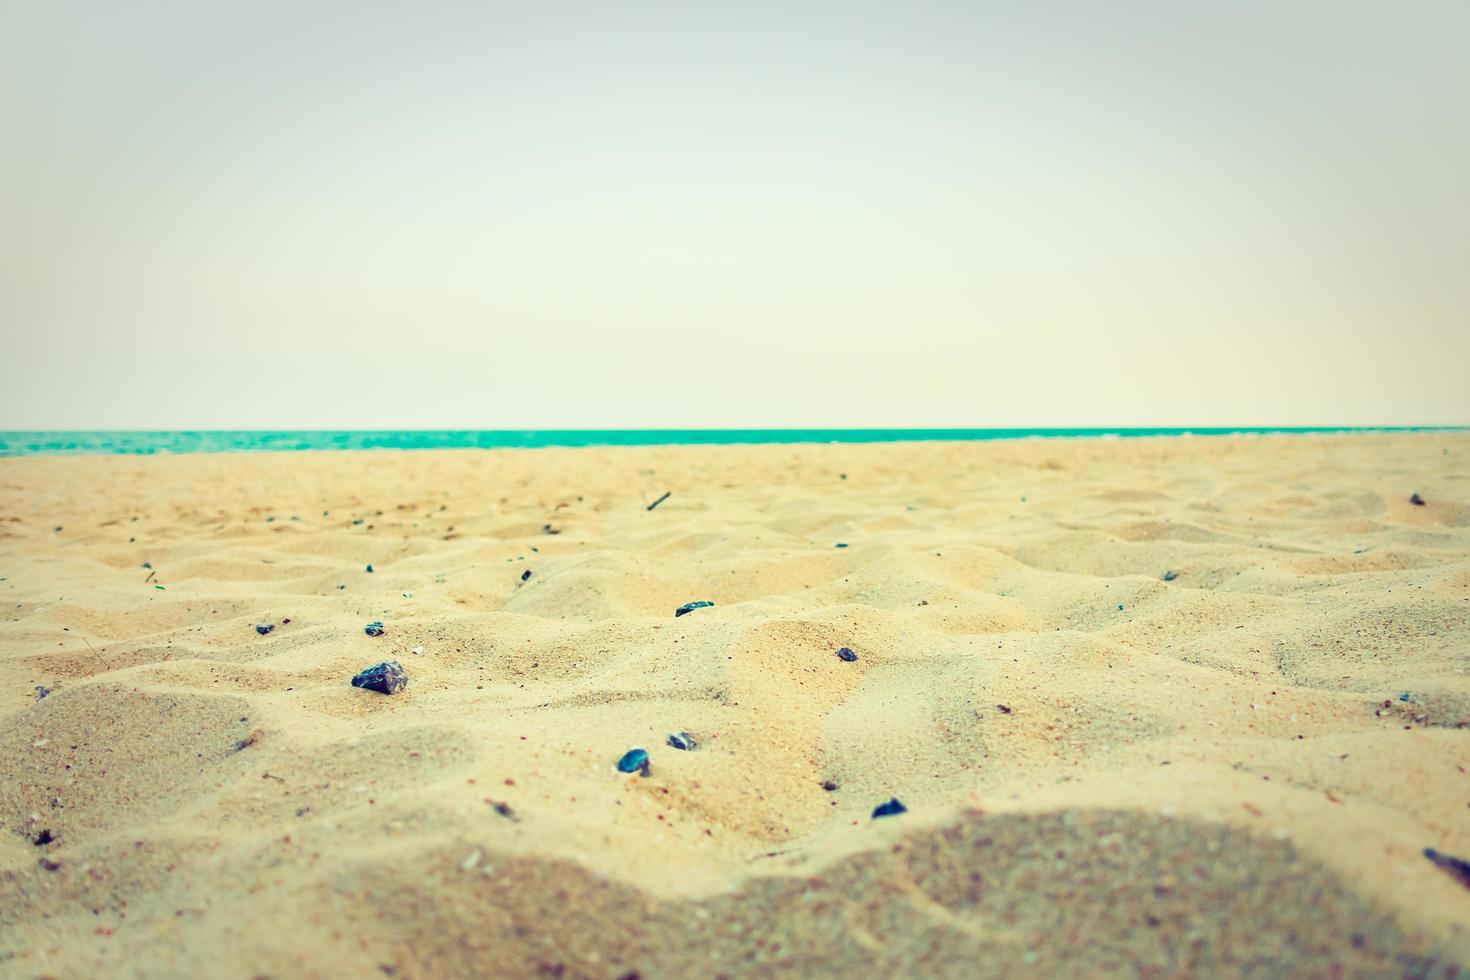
251,440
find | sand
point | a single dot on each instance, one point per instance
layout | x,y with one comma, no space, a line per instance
1106,773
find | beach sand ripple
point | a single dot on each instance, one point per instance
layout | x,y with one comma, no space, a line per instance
1231,770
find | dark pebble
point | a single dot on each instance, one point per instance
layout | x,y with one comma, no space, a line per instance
1170,575
548,529
829,786
44,837
265,628
846,654
147,564
634,760
691,606
1455,867
682,741
841,544
42,691
374,628
50,864
525,575
1416,500
388,678
890,809
370,569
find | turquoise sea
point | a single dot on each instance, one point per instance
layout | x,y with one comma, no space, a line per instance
132,442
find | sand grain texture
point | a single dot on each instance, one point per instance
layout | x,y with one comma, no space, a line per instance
1105,772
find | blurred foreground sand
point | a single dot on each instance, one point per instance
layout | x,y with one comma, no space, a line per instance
1105,772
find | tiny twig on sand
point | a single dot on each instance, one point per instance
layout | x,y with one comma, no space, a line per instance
660,500
99,656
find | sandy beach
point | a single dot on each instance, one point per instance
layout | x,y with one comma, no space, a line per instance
1157,706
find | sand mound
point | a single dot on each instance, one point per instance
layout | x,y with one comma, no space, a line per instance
1074,893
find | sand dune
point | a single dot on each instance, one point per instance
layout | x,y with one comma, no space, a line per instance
1234,770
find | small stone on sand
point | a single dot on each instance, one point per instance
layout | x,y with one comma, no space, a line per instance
890,809
1453,866
634,760
388,677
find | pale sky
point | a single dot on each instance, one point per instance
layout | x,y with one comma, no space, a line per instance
630,214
